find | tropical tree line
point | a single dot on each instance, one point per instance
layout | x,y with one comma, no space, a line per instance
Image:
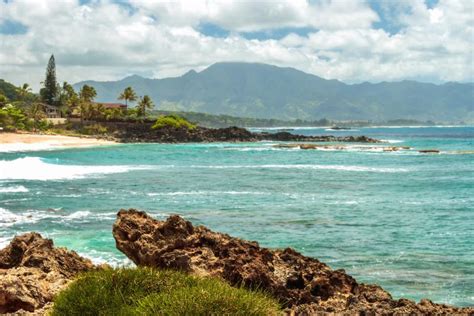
20,108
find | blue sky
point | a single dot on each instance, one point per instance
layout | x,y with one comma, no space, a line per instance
348,40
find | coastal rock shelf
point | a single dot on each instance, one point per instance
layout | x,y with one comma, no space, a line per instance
32,271
130,132
304,285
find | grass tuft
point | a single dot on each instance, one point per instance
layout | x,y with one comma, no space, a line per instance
146,291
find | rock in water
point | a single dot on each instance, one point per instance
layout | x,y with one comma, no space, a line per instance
32,271
303,285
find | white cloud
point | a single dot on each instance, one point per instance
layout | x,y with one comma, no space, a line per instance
106,41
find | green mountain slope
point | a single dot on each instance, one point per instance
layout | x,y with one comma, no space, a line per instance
265,91
8,90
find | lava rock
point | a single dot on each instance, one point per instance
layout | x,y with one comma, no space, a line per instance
303,285
32,271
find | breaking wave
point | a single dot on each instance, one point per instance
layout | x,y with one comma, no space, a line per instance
14,189
9,218
35,168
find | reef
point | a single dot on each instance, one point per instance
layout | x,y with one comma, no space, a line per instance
303,285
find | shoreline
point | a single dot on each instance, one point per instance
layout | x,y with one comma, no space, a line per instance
33,271
23,142
27,141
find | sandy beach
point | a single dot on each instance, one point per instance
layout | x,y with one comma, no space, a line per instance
12,142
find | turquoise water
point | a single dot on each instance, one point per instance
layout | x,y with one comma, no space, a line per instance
402,219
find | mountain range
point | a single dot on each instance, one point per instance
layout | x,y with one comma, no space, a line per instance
267,91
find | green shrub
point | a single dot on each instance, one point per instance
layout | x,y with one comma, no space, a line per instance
174,121
145,291
13,118
95,129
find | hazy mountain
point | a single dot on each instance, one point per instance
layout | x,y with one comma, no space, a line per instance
265,91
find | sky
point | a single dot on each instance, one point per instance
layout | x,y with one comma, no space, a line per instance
349,40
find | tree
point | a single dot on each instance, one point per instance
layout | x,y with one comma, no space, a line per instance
36,112
87,93
128,95
12,118
3,100
50,90
113,114
68,98
144,104
86,97
23,91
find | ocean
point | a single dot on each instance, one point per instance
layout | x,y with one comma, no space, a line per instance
403,220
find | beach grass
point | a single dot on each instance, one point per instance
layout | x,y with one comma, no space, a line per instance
147,291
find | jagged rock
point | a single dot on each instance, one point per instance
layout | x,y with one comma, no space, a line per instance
131,131
32,271
304,285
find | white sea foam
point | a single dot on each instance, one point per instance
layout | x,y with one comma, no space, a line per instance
34,168
99,257
4,241
9,218
206,193
78,215
14,189
392,141
340,130
310,167
265,148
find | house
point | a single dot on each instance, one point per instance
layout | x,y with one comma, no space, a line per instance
51,111
53,114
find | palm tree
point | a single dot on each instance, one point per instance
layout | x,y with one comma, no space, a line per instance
86,96
23,91
128,95
144,104
37,113
87,93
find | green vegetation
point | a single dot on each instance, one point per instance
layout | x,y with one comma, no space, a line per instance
85,106
128,95
50,90
144,104
10,91
174,121
13,118
94,129
37,114
145,291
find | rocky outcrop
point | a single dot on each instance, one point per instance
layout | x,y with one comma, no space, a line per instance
141,132
304,285
32,271
286,137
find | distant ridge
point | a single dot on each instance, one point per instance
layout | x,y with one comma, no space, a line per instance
267,91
